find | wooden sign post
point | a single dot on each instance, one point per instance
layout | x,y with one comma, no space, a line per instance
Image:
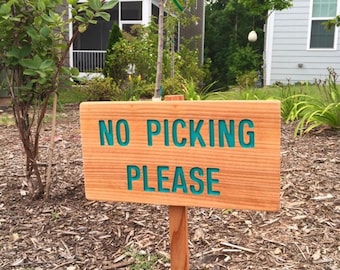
178,226
219,154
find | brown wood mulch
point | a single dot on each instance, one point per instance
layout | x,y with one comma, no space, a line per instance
70,232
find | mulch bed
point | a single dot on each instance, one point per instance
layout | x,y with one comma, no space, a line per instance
70,232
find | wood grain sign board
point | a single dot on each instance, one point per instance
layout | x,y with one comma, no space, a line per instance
220,154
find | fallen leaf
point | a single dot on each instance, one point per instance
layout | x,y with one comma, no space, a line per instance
317,255
199,235
15,237
18,262
277,251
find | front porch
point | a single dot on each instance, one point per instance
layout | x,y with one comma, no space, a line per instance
88,61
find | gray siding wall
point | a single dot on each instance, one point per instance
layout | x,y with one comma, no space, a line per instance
290,48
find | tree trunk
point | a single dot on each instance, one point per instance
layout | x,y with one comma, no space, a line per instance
159,71
49,179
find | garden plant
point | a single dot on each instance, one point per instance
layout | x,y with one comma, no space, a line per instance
33,54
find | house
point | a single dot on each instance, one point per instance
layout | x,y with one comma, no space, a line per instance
89,49
297,45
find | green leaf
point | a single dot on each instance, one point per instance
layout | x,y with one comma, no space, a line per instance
109,4
72,2
45,31
6,17
106,16
47,18
82,28
89,13
33,34
42,80
29,63
95,4
19,52
65,70
5,9
41,5
30,72
25,51
48,63
74,71
42,74
80,19
37,60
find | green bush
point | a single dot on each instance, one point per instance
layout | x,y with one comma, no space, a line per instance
101,89
247,80
241,61
137,55
171,86
109,67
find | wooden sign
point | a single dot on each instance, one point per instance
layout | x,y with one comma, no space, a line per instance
220,154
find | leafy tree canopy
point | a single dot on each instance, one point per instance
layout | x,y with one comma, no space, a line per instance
228,23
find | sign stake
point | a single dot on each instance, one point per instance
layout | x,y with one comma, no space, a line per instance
178,226
179,250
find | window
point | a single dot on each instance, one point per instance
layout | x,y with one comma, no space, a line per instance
97,35
131,11
322,11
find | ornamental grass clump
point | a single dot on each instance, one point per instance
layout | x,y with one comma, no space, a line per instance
290,96
322,110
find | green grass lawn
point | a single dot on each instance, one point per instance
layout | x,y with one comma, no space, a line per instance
71,95
270,92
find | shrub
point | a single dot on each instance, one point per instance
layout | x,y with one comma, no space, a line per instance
242,61
171,86
247,80
101,89
134,53
315,111
109,66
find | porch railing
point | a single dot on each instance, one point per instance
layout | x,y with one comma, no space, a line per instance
88,61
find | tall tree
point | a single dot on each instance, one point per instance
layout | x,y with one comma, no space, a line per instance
228,23
158,82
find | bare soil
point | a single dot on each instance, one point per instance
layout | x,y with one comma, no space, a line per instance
70,232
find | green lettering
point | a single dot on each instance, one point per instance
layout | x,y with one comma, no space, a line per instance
198,181
179,181
103,132
161,178
251,135
211,133
195,132
223,132
166,132
133,174
126,131
145,180
153,129
211,181
175,133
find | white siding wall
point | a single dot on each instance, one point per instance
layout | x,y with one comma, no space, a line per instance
287,47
